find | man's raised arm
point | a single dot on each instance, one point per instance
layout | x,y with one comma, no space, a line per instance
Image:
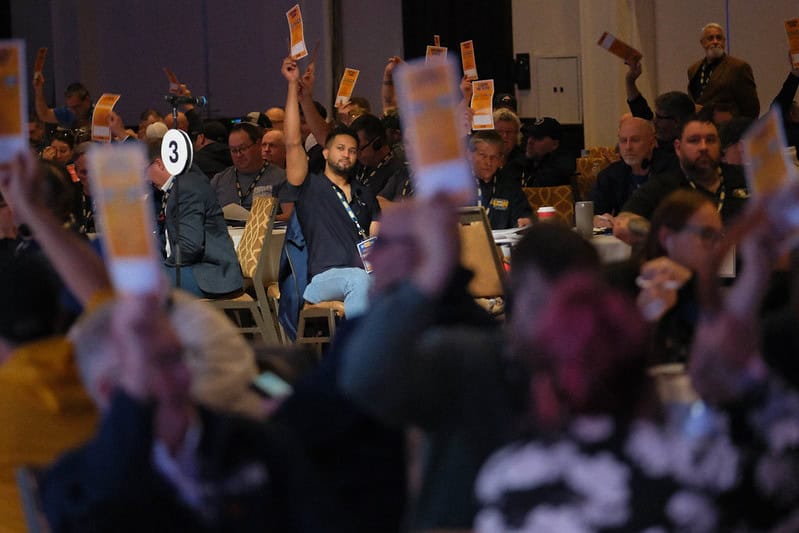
296,159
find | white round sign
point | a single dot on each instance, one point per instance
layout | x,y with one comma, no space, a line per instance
177,151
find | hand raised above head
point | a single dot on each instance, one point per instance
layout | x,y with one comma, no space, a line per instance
393,61
633,70
290,70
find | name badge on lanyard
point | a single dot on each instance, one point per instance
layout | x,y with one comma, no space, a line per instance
364,249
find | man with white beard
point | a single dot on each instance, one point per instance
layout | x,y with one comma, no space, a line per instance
720,77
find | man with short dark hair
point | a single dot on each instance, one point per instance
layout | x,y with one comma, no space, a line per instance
719,76
75,114
699,152
336,213
376,162
501,195
211,152
209,264
236,184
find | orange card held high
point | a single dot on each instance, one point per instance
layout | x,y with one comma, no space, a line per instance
482,104
434,53
297,45
468,61
347,85
792,30
38,67
619,48
13,99
102,111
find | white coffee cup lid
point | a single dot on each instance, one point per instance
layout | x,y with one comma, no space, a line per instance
546,209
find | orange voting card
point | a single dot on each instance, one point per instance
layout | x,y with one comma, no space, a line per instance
174,84
428,97
38,67
126,216
102,112
347,85
436,40
619,48
434,53
467,60
298,49
482,104
766,164
792,29
13,99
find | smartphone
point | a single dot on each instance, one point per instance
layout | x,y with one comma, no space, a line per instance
271,385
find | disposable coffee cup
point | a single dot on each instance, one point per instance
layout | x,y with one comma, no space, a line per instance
546,214
584,218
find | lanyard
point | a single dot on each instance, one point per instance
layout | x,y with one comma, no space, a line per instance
480,192
364,179
164,199
721,195
252,185
347,208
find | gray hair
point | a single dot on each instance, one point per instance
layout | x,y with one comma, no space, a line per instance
709,25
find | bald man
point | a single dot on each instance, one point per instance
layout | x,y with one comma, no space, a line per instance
277,116
615,184
273,148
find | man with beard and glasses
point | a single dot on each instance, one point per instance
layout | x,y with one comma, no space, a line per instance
334,212
699,152
720,77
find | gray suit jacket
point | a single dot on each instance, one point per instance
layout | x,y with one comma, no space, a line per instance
206,247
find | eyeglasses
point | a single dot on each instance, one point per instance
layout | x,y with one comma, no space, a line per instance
241,149
367,145
705,233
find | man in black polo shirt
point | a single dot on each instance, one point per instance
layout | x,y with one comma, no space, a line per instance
376,161
501,195
335,213
699,151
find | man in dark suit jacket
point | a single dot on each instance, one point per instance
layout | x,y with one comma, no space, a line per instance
722,78
209,263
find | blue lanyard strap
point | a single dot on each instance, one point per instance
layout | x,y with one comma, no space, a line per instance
347,208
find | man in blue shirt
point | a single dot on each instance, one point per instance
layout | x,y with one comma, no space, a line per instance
76,113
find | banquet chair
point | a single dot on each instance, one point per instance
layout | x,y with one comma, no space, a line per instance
253,254
560,197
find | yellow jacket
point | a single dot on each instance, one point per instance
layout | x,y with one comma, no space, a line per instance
44,411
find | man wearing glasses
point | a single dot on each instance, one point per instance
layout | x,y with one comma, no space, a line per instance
376,162
236,184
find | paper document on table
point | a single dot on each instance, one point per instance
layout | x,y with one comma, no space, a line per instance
768,167
297,46
102,112
13,99
619,48
468,61
125,215
428,97
347,85
483,105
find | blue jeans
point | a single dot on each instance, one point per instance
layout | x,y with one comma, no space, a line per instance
348,284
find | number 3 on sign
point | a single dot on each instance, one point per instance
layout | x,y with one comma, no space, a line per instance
177,152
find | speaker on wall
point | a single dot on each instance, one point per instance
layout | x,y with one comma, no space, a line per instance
521,71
